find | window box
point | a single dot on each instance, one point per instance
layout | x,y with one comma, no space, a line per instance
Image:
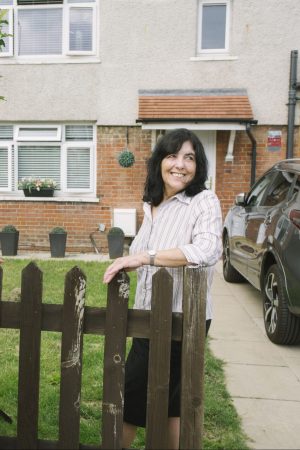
44,192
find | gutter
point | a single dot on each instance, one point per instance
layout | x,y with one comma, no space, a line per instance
253,153
293,86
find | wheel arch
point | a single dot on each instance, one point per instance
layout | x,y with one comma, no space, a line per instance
270,258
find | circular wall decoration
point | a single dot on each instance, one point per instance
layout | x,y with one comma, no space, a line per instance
126,158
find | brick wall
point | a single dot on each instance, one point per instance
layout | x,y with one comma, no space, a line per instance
119,187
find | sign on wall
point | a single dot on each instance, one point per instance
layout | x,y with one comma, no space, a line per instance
274,141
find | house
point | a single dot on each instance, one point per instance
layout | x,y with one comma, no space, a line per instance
86,79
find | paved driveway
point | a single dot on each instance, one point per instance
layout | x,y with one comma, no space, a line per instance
262,378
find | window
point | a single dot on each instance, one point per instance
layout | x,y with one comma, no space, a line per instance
213,26
7,28
64,153
57,28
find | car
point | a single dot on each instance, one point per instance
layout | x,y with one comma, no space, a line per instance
261,244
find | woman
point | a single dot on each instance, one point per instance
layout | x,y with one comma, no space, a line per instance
182,226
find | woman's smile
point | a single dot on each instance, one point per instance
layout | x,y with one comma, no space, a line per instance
178,170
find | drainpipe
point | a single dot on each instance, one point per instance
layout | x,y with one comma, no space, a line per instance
292,104
253,154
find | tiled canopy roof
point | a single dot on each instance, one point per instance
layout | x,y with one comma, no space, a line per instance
210,104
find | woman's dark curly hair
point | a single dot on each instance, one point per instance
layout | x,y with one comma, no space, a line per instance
170,144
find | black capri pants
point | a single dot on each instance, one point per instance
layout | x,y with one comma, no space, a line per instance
136,380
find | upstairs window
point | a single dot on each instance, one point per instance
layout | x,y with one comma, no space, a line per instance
43,28
213,26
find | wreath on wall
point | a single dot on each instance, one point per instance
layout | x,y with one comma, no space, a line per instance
126,158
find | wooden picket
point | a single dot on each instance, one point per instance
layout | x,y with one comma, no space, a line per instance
116,322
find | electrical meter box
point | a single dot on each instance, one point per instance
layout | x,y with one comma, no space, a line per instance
126,219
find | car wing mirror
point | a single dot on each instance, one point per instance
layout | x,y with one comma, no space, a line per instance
240,199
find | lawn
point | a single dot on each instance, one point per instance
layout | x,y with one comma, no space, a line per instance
222,425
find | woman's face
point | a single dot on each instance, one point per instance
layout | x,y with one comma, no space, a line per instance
178,170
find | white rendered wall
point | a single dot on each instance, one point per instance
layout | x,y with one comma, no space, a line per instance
150,44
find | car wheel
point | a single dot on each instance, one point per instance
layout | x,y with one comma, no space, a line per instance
281,326
229,272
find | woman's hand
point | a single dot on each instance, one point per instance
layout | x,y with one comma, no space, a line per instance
125,262
1,260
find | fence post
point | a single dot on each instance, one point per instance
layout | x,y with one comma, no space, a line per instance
29,357
192,369
159,361
71,359
1,280
114,361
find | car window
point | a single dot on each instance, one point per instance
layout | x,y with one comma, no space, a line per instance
296,188
256,195
279,190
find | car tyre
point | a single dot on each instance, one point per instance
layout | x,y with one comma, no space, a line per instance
281,326
229,272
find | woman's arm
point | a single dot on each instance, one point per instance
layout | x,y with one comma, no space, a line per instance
163,258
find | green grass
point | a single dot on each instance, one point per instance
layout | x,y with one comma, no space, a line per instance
222,425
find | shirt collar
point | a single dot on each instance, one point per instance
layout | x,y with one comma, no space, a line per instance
181,196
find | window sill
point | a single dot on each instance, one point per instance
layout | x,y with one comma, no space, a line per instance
213,58
48,61
77,199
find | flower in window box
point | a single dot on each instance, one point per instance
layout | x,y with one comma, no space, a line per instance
32,186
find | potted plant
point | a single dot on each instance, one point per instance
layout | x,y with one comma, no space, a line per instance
115,238
37,187
9,238
58,240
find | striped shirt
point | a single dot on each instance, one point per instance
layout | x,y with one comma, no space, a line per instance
192,224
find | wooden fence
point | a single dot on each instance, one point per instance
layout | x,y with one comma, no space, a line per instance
116,322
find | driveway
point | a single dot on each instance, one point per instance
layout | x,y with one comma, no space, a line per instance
262,378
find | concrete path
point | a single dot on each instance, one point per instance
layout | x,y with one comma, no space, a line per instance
262,378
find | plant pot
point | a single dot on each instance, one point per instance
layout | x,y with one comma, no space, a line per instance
115,245
9,243
43,192
58,244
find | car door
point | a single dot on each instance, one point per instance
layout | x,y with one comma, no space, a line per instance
261,222
240,249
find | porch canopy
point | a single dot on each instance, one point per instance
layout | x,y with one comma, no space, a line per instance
196,109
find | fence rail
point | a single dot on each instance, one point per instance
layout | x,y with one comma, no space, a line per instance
116,322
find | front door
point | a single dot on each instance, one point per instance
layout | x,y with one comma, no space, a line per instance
208,139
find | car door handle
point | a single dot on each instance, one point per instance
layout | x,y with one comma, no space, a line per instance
268,219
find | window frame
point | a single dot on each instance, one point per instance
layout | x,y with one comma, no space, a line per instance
10,52
214,51
15,143
9,146
66,54
64,165
66,29
34,138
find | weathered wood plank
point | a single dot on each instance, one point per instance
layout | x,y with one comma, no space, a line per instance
192,368
71,359
1,281
114,361
94,320
29,358
159,361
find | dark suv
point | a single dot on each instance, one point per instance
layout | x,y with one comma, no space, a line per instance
261,239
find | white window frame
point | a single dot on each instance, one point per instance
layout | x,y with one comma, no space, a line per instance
67,54
201,4
10,52
66,29
64,165
63,193
33,137
7,145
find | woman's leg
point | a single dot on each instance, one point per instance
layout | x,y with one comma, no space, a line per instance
129,432
173,433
